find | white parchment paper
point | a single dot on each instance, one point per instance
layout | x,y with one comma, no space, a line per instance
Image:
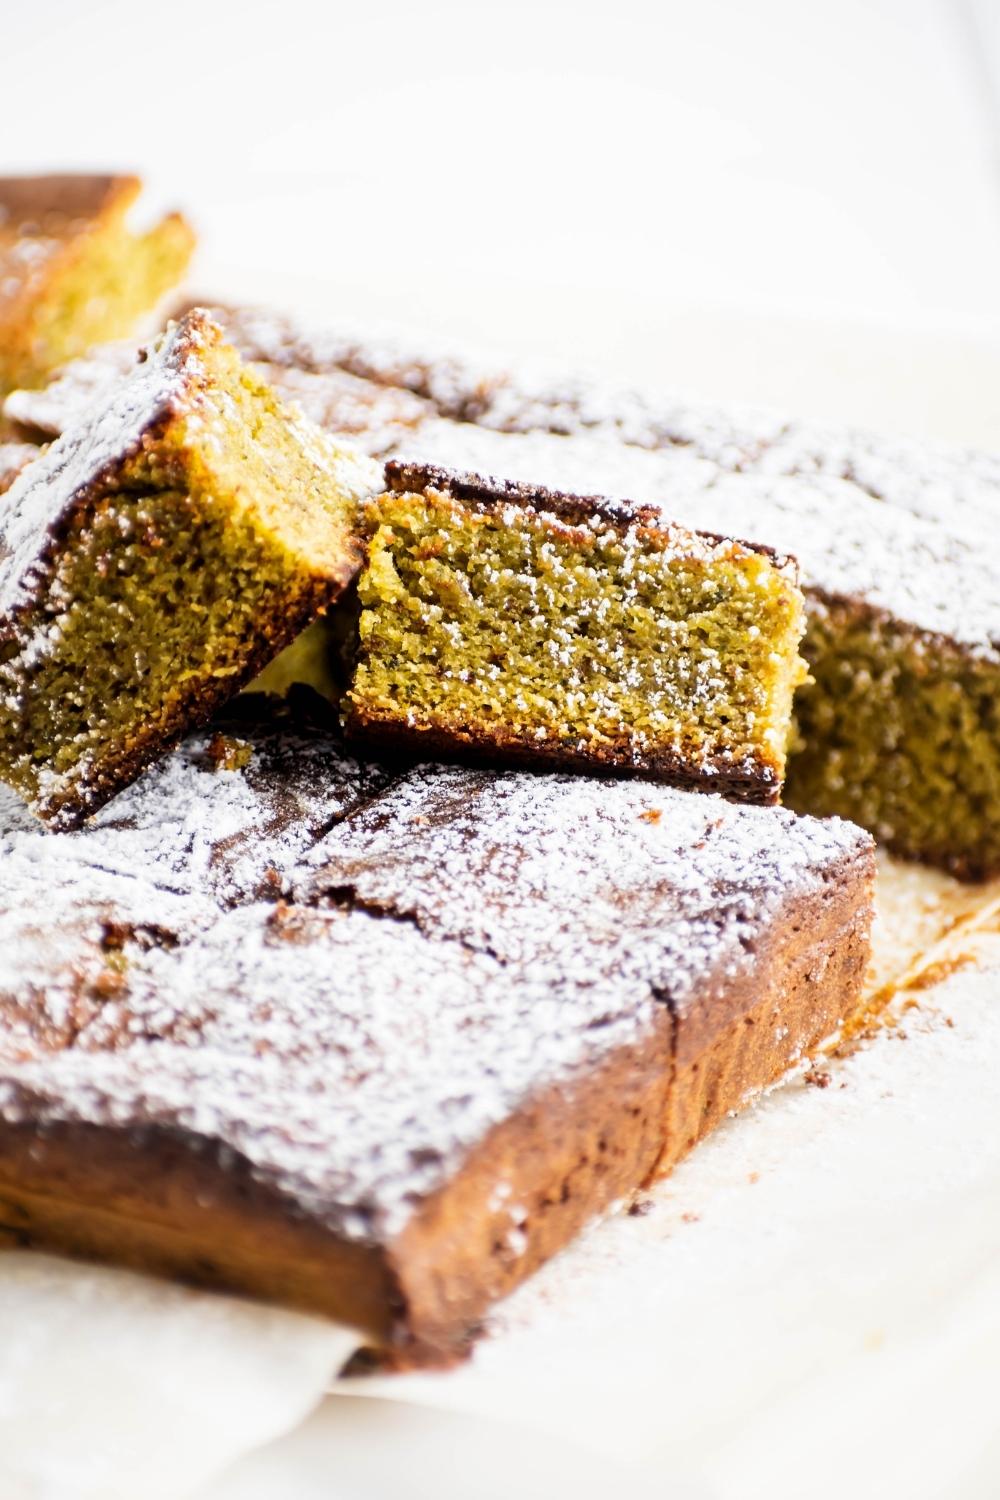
118,1387
812,1297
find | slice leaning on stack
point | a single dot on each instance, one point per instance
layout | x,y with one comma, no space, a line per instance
153,559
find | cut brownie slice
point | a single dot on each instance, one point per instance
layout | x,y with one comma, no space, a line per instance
153,559
898,729
898,726
510,622
72,272
392,1106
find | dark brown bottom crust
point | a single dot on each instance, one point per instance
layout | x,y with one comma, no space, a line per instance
491,747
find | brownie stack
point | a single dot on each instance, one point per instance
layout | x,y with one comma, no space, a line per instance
364,1036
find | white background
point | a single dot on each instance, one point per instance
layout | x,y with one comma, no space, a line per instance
694,190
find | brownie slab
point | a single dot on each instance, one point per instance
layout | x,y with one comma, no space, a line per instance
474,1028
153,559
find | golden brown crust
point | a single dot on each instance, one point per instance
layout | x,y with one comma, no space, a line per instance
569,1155
158,1201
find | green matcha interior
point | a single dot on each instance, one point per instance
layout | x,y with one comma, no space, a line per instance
902,735
517,626
215,544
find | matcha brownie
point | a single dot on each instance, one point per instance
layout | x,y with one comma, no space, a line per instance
516,623
72,271
153,559
476,1027
898,726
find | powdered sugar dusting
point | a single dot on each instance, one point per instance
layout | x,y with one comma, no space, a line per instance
947,483
667,886
190,827
917,570
13,458
477,939
73,390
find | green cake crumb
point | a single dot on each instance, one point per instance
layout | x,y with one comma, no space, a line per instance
900,732
565,631
72,271
156,557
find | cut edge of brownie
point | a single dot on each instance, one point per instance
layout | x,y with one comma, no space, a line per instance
751,768
90,469
174,1203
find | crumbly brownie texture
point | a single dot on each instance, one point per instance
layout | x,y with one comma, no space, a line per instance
154,558
899,726
503,621
72,273
388,1102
